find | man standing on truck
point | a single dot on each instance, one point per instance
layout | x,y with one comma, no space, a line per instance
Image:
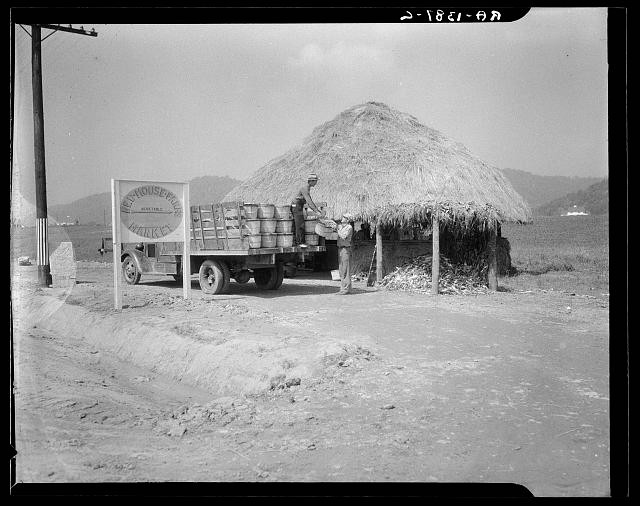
301,197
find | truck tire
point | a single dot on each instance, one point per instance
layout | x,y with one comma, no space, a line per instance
279,276
265,279
130,271
213,276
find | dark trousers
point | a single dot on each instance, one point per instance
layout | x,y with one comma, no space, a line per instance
298,223
344,267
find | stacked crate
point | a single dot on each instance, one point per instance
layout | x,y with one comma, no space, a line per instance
241,226
311,220
252,222
284,226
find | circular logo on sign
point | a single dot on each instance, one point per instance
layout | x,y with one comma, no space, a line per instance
151,211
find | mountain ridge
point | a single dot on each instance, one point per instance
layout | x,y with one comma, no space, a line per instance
97,208
593,199
539,192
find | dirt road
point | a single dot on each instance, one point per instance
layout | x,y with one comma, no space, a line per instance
302,385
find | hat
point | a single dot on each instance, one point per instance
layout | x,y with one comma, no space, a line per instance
347,216
312,177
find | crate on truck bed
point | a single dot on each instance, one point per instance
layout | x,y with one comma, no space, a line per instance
229,240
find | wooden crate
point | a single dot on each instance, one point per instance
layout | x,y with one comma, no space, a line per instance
219,227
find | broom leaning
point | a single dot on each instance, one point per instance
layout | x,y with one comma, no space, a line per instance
369,278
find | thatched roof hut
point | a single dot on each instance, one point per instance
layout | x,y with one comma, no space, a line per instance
386,168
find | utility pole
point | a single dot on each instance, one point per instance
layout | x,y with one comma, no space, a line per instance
42,239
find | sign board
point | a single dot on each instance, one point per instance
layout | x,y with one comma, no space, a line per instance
150,211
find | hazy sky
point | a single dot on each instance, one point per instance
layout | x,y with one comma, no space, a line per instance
175,102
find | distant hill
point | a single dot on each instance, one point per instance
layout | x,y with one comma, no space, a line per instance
210,189
540,190
594,200
97,208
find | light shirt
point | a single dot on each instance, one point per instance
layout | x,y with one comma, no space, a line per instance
301,196
345,232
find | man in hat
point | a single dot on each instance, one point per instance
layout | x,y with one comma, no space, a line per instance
345,233
301,197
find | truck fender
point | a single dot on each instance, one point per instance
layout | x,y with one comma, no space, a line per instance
141,260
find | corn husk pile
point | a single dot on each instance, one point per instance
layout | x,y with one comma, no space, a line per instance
360,276
454,279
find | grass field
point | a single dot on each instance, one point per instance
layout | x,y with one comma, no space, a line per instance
560,252
563,252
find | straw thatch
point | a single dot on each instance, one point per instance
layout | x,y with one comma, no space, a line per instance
383,166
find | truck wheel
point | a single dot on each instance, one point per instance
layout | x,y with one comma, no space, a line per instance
265,278
213,276
130,271
279,276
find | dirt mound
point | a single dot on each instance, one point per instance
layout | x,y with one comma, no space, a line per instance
203,349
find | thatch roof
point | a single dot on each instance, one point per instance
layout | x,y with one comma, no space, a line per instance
383,166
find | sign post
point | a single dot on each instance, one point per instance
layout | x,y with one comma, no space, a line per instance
150,211
186,249
115,234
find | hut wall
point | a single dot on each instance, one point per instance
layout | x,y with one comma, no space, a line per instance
472,249
395,253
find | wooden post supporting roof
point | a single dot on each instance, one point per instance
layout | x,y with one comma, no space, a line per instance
435,259
492,259
379,273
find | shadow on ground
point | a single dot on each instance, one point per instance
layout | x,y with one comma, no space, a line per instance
290,287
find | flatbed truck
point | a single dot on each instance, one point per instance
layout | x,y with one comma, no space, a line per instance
220,251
